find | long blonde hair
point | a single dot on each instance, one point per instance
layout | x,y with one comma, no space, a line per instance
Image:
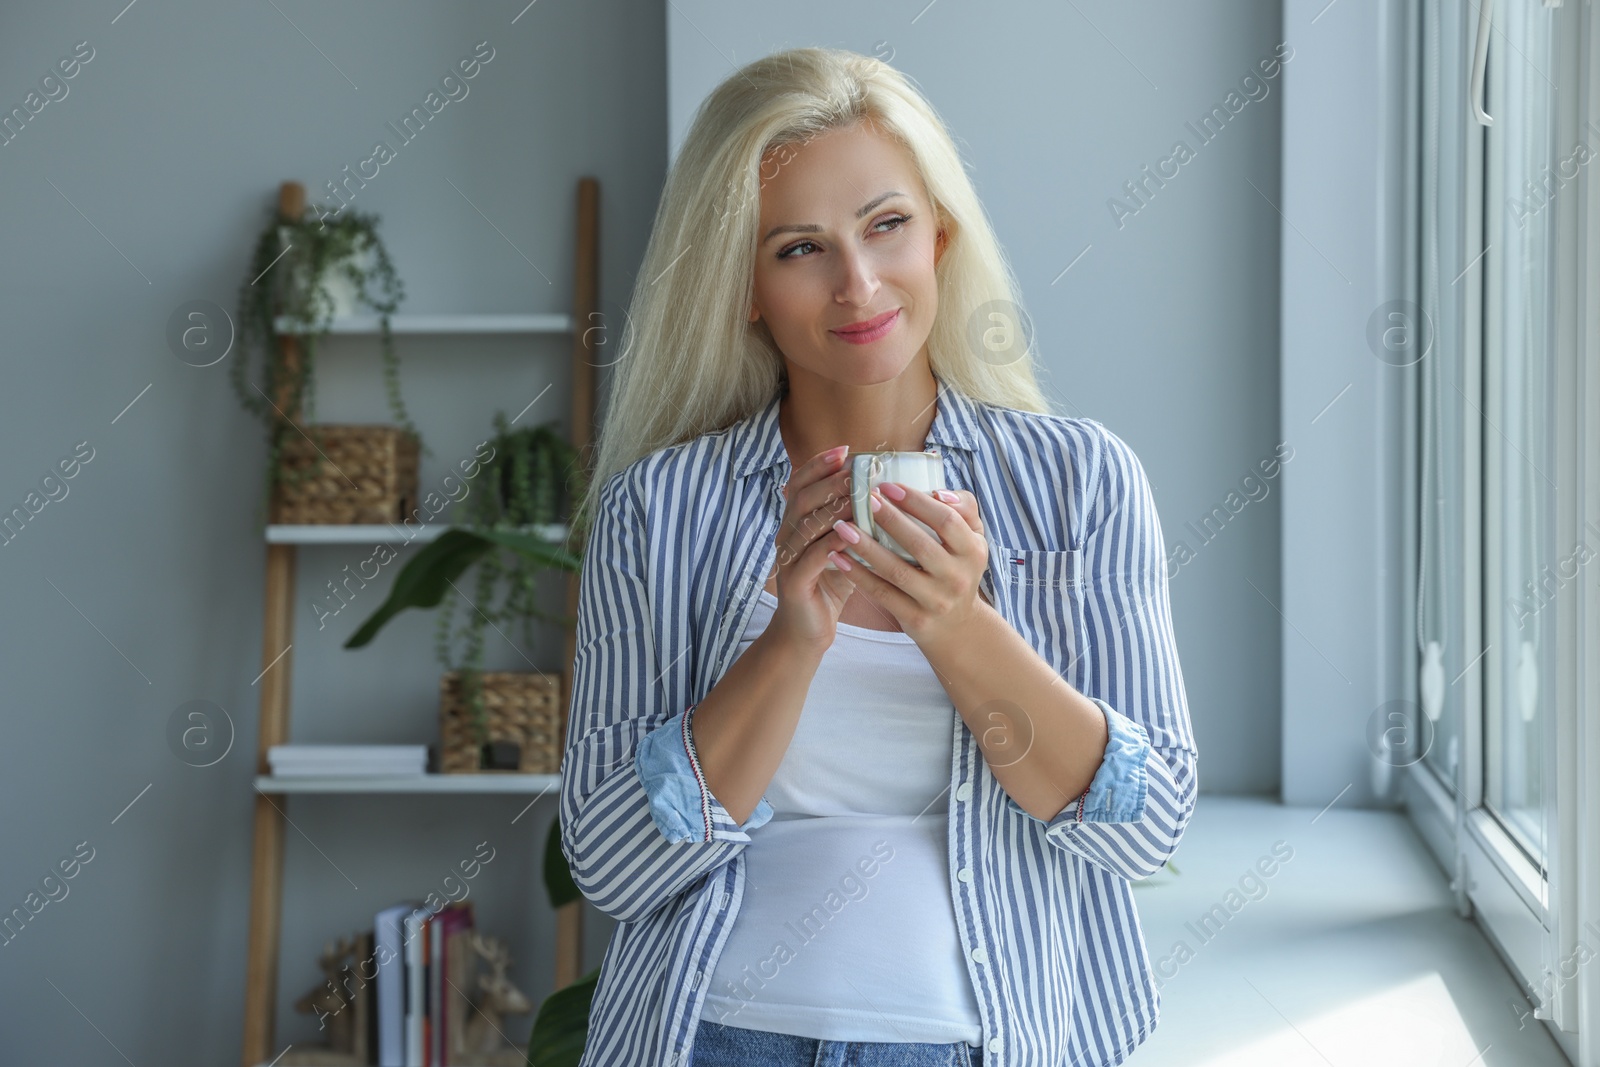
691,360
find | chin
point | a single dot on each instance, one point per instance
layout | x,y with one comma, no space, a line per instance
874,371
856,367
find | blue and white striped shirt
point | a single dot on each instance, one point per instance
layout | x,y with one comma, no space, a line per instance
682,543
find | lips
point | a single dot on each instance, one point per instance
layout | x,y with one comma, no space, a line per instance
871,323
869,330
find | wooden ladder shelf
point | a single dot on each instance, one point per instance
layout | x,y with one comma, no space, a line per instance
266,879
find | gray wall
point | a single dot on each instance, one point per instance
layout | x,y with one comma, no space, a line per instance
1166,330
1349,641
141,590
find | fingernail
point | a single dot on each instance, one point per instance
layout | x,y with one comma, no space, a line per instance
847,532
840,562
875,502
836,454
891,490
947,497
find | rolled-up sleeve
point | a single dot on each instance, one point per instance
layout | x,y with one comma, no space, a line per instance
1134,812
638,826
1118,791
681,805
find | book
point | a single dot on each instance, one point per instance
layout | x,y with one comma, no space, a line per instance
455,927
436,990
429,925
416,1003
300,761
369,991
389,936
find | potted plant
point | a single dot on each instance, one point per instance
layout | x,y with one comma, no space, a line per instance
531,478
304,273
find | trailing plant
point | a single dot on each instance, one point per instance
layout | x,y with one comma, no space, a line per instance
532,478
289,267
531,471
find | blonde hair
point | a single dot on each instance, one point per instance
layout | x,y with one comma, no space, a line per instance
691,360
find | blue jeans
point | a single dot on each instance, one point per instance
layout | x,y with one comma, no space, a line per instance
716,1045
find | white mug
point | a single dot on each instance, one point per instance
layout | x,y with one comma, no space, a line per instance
919,470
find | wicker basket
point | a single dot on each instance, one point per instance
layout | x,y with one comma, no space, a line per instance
521,707
381,461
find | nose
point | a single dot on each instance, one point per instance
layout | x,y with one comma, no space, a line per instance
858,283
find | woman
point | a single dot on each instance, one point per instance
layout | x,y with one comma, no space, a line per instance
885,815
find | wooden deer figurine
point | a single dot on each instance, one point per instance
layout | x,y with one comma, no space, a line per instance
485,1038
334,1008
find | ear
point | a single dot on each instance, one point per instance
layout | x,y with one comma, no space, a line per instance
940,243
755,313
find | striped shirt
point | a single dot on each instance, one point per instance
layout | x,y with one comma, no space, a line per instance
682,542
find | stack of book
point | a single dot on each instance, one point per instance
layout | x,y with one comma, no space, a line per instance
318,761
423,988
409,989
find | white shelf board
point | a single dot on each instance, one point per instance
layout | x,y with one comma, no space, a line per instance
413,783
385,533
438,324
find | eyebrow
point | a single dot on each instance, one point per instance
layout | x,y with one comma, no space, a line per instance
811,227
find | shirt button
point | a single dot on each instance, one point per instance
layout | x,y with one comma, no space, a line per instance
964,791
980,956
994,1044
964,874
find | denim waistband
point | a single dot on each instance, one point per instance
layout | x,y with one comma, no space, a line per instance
716,1045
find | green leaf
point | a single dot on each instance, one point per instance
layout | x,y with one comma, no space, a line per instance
423,582
562,1026
557,874
539,549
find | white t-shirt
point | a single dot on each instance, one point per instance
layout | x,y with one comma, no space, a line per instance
847,928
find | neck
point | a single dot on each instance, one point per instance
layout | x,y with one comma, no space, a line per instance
893,416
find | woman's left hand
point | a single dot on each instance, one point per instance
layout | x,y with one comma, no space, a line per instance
933,603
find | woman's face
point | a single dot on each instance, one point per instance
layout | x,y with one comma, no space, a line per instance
847,236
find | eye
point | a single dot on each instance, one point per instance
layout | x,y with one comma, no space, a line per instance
896,221
794,247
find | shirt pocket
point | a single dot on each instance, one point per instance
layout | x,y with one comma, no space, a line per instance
1041,592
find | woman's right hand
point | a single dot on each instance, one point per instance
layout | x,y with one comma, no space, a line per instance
811,593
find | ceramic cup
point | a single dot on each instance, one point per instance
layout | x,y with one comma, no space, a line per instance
919,470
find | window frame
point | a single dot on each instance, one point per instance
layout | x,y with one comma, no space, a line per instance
1539,922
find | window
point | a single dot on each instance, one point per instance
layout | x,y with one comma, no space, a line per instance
1508,392
1517,460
